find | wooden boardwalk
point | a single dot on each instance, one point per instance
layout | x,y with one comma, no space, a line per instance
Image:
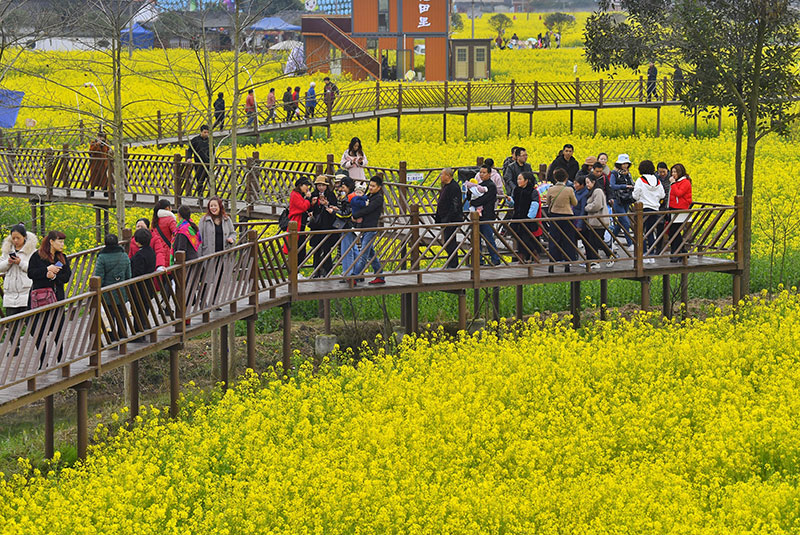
385,101
53,348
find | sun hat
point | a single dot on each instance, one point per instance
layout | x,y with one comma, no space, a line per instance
623,158
321,179
590,160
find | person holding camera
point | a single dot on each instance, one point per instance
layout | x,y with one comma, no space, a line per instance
16,253
621,186
354,161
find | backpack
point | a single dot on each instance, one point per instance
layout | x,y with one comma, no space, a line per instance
283,220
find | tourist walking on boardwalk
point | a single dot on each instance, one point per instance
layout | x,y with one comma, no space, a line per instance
677,82
200,147
99,163
621,187
487,203
514,169
299,207
18,247
250,107
296,102
564,160
369,218
187,236
216,229
219,111
142,263
649,191
141,223
448,210
596,222
163,232
354,160
330,92
527,205
323,217
49,271
287,104
271,105
311,99
652,78
113,266
560,200
680,198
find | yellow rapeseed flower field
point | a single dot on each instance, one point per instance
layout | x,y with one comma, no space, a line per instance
629,426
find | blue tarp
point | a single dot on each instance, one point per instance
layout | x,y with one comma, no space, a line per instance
142,37
273,24
9,107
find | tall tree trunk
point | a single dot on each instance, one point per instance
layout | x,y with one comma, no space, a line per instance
749,168
119,161
738,161
234,132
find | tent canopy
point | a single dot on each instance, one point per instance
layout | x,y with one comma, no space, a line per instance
142,37
9,107
273,24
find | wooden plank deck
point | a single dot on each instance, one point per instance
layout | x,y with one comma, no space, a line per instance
312,289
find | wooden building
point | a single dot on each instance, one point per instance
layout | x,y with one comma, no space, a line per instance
412,34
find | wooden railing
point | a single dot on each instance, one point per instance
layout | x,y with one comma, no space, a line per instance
379,99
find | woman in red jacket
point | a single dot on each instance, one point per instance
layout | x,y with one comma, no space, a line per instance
163,231
299,206
680,198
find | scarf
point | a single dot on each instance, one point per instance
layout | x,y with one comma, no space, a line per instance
191,235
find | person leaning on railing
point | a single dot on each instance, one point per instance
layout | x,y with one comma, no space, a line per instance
18,247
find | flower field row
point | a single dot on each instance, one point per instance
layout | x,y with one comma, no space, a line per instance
631,426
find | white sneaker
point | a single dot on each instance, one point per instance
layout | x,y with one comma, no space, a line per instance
610,263
594,266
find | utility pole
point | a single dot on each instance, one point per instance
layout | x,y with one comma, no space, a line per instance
472,17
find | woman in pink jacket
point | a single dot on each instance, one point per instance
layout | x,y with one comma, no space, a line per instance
354,161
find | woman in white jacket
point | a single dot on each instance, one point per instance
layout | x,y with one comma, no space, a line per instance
649,191
354,160
16,253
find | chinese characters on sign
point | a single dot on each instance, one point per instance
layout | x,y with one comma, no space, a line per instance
424,7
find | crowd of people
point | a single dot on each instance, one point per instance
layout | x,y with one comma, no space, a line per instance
550,39
541,211
600,194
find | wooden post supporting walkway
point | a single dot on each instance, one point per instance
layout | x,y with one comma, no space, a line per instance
666,297
49,427
174,381
287,339
83,417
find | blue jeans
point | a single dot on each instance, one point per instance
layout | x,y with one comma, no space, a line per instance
367,252
487,231
623,220
348,256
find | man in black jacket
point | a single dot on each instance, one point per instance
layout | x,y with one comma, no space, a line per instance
201,153
219,111
448,210
486,202
566,161
514,169
369,217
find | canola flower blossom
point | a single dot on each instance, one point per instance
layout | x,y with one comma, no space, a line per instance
627,426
